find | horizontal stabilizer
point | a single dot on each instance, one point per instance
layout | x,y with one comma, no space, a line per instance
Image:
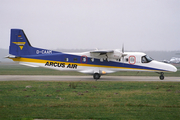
28,64
10,56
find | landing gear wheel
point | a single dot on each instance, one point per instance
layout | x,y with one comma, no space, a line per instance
96,76
161,77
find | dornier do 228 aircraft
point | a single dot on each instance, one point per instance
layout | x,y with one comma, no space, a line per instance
96,63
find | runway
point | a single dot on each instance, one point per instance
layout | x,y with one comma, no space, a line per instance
84,78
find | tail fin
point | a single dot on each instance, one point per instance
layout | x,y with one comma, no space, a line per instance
19,45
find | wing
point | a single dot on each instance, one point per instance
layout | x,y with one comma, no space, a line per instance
111,54
97,53
101,53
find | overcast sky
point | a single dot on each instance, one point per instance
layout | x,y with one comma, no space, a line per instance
88,24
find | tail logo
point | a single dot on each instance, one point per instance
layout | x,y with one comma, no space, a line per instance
20,44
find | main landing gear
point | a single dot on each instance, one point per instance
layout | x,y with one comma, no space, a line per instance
161,77
96,76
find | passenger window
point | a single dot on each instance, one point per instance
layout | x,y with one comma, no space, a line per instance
126,59
131,59
75,59
92,59
66,59
118,60
84,59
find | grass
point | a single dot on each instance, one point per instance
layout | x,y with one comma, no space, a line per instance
86,100
16,69
89,100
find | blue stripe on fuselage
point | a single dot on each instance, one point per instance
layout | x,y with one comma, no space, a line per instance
61,57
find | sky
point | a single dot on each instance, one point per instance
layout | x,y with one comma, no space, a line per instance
141,25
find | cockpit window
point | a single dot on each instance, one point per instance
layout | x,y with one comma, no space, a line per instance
146,59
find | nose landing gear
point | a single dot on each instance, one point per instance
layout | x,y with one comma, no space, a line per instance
161,77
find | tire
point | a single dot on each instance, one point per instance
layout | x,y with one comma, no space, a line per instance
161,77
96,76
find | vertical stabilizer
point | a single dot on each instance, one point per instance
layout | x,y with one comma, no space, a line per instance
20,45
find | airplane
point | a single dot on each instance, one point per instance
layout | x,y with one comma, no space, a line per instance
96,63
173,60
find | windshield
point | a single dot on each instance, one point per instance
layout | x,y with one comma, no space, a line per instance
146,59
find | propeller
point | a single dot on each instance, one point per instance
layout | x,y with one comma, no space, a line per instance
123,48
123,52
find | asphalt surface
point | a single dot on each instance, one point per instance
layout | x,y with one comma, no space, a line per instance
83,78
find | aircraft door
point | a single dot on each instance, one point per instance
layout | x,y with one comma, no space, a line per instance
132,59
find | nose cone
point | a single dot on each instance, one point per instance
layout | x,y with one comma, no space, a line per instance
169,67
173,68
164,66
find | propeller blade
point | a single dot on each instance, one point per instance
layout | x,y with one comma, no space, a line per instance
123,48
